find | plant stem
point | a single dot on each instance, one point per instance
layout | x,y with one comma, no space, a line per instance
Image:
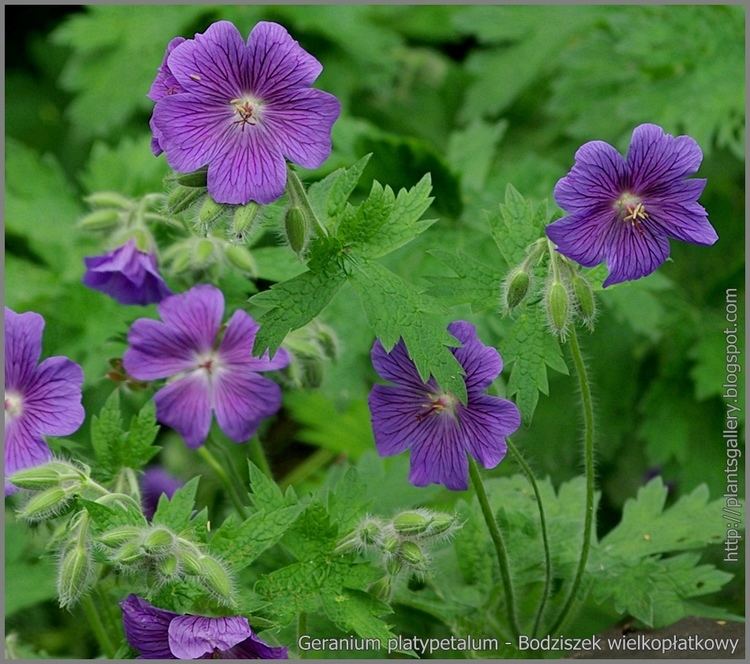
211,460
588,454
97,626
298,196
497,539
545,538
301,628
257,455
302,471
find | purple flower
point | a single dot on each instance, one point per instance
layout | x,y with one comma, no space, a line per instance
242,108
155,482
159,634
43,400
164,84
209,372
434,424
126,274
624,210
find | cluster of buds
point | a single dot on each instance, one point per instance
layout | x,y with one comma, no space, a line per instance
311,347
154,551
117,374
52,487
520,280
401,543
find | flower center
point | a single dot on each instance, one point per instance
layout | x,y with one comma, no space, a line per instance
13,405
631,210
439,403
246,111
209,363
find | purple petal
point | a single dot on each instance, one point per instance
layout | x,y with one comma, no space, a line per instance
213,64
157,350
52,402
301,124
397,418
440,457
597,177
185,406
686,221
278,63
191,129
165,83
396,366
156,482
192,637
242,399
23,346
196,314
481,363
655,157
255,648
633,254
23,449
147,628
247,166
237,345
584,235
485,424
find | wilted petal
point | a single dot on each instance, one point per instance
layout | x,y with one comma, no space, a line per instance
147,628
192,637
185,406
486,423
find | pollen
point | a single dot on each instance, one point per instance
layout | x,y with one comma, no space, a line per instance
13,404
632,211
246,111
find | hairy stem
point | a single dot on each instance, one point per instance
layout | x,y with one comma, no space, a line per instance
97,626
298,196
545,537
497,540
211,460
588,454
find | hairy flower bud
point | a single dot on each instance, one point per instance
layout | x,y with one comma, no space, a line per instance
557,302
158,541
382,588
73,575
181,198
584,298
241,258
108,199
210,211
197,178
204,250
168,567
100,220
128,554
216,578
412,555
119,535
516,287
246,222
296,228
412,522
44,476
46,504
442,524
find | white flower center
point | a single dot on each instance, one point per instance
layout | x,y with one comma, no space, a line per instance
13,405
631,210
209,363
247,110
440,403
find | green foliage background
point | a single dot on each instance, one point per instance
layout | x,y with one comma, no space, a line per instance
479,97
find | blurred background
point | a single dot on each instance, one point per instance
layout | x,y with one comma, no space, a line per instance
417,85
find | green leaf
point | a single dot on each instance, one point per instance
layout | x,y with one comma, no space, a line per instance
384,222
175,512
293,303
328,196
637,304
517,223
531,348
107,435
396,310
472,149
476,283
266,494
356,611
105,517
138,448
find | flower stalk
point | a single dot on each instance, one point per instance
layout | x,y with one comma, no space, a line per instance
223,477
298,198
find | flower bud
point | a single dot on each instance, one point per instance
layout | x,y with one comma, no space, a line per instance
100,220
204,249
216,577
328,341
516,287
44,476
295,226
180,257
412,522
411,554
241,258
382,588
311,374
246,220
128,554
197,178
181,198
158,540
584,297
442,524
108,199
389,543
190,558
168,567
393,566
558,307
119,535
45,504
73,575
143,240
210,211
